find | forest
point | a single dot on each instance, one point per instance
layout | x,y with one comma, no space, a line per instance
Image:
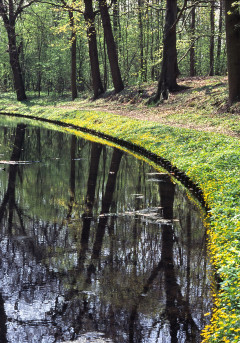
92,46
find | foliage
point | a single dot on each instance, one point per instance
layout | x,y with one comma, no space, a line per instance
44,32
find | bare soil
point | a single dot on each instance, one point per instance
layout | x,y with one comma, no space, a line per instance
200,105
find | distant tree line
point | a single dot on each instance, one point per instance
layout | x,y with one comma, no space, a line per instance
79,45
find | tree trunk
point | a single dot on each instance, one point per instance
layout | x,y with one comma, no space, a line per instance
169,72
111,47
14,61
192,49
219,42
233,50
211,52
140,25
93,52
9,19
115,21
73,57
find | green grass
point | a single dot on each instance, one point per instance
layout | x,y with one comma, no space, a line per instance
203,106
211,160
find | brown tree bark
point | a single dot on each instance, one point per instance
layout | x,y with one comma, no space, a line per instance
211,49
219,40
140,25
9,14
15,64
115,21
111,47
73,56
93,52
233,50
192,49
169,72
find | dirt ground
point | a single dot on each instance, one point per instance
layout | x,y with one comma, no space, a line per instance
204,95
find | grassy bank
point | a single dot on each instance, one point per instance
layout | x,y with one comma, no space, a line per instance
210,158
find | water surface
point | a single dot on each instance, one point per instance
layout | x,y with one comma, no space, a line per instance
95,243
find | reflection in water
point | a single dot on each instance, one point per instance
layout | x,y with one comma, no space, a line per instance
95,242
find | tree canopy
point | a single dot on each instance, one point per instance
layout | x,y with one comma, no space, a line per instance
58,46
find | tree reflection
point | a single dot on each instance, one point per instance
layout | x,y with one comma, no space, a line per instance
72,176
177,308
96,150
3,320
106,204
9,203
9,197
106,257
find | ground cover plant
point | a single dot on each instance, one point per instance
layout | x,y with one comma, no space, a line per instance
199,134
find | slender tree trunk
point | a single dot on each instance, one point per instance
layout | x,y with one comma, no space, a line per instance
73,57
93,52
192,49
115,21
233,50
39,67
211,52
152,46
140,25
169,72
219,42
111,47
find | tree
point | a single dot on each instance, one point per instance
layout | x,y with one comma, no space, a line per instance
192,48
73,55
89,16
169,72
211,50
233,49
111,47
219,39
141,39
141,45
9,11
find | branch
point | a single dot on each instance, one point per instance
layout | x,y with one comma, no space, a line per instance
179,15
192,44
21,7
64,6
3,13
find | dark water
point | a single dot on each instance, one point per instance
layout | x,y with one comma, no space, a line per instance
95,243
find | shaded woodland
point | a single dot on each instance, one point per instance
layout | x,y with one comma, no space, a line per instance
84,45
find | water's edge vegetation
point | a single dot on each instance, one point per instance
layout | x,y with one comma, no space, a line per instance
212,162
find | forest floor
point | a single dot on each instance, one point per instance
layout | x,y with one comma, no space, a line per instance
202,105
